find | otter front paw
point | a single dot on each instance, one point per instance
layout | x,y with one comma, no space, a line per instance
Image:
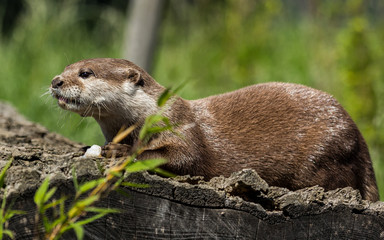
115,150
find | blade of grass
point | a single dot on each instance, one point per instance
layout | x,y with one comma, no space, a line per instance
74,177
145,165
119,137
135,185
40,193
3,172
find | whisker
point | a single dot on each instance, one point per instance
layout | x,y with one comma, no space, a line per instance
46,93
79,123
47,100
99,108
87,110
106,107
63,116
66,56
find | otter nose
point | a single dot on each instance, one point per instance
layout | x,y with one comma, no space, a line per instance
57,82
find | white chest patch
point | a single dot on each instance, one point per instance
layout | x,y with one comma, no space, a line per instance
138,101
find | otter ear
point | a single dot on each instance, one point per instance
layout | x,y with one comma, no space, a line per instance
135,77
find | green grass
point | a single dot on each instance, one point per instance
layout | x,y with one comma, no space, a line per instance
214,48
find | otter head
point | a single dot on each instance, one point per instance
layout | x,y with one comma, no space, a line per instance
115,92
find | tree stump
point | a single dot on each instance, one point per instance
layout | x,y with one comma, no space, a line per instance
242,206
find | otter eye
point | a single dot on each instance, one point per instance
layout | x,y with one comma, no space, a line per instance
85,74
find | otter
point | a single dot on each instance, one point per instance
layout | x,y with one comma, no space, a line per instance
292,135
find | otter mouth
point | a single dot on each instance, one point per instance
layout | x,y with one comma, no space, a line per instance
67,100
72,103
68,103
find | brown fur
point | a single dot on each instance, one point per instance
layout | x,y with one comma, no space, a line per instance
292,135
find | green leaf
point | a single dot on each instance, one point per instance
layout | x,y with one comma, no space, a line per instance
116,174
49,194
3,172
102,210
62,207
153,119
118,182
89,185
145,165
9,233
164,97
54,203
135,185
57,221
100,167
10,213
87,201
158,129
168,93
122,192
164,173
47,224
1,228
177,89
74,177
150,122
40,193
79,230
91,219
3,203
80,205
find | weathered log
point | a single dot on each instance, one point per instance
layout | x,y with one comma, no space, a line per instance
242,206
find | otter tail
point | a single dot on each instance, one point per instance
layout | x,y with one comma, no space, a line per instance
367,183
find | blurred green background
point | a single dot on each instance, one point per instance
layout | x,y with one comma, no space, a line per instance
214,46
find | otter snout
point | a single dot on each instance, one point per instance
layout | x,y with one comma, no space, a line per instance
57,82
68,95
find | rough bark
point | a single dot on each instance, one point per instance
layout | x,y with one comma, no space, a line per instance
242,206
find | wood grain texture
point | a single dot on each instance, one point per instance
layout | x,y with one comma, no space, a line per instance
144,216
